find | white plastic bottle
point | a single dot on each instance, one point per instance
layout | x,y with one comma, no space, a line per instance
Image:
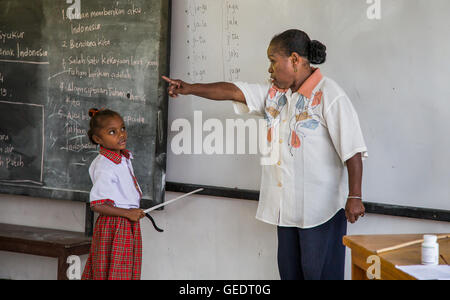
430,250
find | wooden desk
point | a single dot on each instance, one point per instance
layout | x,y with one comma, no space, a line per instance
44,242
363,246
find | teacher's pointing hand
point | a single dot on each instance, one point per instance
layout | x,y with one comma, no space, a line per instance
177,87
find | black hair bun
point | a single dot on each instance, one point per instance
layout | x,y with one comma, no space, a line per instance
317,53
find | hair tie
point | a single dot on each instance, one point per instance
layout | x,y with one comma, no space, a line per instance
93,112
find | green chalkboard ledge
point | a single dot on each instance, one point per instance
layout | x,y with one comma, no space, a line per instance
373,208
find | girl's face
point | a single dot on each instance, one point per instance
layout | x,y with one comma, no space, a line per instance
113,135
281,68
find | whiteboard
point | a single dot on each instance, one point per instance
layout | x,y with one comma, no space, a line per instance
395,69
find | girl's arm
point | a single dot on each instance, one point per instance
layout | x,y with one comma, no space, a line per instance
213,91
354,207
133,215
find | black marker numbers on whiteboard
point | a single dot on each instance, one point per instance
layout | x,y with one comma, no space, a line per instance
374,10
202,31
197,41
230,42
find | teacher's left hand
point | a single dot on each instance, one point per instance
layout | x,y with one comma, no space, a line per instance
354,209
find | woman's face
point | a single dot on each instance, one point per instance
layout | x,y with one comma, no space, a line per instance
281,68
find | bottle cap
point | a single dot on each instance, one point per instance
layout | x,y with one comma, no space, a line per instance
429,238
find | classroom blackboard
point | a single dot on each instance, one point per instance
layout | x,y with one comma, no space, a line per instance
391,57
59,58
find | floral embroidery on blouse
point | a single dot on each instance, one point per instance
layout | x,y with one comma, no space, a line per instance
305,117
276,100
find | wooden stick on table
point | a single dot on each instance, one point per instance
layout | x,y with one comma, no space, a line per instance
439,237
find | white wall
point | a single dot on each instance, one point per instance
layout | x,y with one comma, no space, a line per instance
205,238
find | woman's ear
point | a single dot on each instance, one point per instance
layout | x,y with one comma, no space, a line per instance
296,60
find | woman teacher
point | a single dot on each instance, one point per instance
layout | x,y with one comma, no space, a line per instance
305,193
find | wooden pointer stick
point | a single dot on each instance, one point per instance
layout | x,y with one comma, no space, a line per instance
439,237
171,201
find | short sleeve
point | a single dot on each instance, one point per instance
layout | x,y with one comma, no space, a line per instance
344,129
255,97
103,189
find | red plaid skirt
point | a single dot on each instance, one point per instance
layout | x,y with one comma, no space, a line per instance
116,251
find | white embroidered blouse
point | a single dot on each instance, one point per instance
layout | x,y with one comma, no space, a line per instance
318,130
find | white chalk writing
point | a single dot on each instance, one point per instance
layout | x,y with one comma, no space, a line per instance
27,52
77,29
12,35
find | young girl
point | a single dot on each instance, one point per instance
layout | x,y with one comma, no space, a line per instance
116,251
319,135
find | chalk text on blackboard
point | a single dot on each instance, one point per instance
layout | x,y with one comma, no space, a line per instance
27,52
75,129
13,35
77,146
101,42
92,91
7,52
72,102
85,28
104,12
12,162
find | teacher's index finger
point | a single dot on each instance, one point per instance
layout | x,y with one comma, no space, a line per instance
168,80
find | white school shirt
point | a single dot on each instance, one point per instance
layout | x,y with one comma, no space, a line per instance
113,180
318,131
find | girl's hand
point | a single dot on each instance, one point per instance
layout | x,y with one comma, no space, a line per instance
135,214
177,87
354,209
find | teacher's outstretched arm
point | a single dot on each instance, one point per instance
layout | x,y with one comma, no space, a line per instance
218,91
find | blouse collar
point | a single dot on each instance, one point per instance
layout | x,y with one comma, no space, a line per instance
310,84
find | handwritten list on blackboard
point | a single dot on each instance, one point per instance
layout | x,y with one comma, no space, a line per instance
54,67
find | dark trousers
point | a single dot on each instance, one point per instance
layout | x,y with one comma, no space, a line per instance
313,254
